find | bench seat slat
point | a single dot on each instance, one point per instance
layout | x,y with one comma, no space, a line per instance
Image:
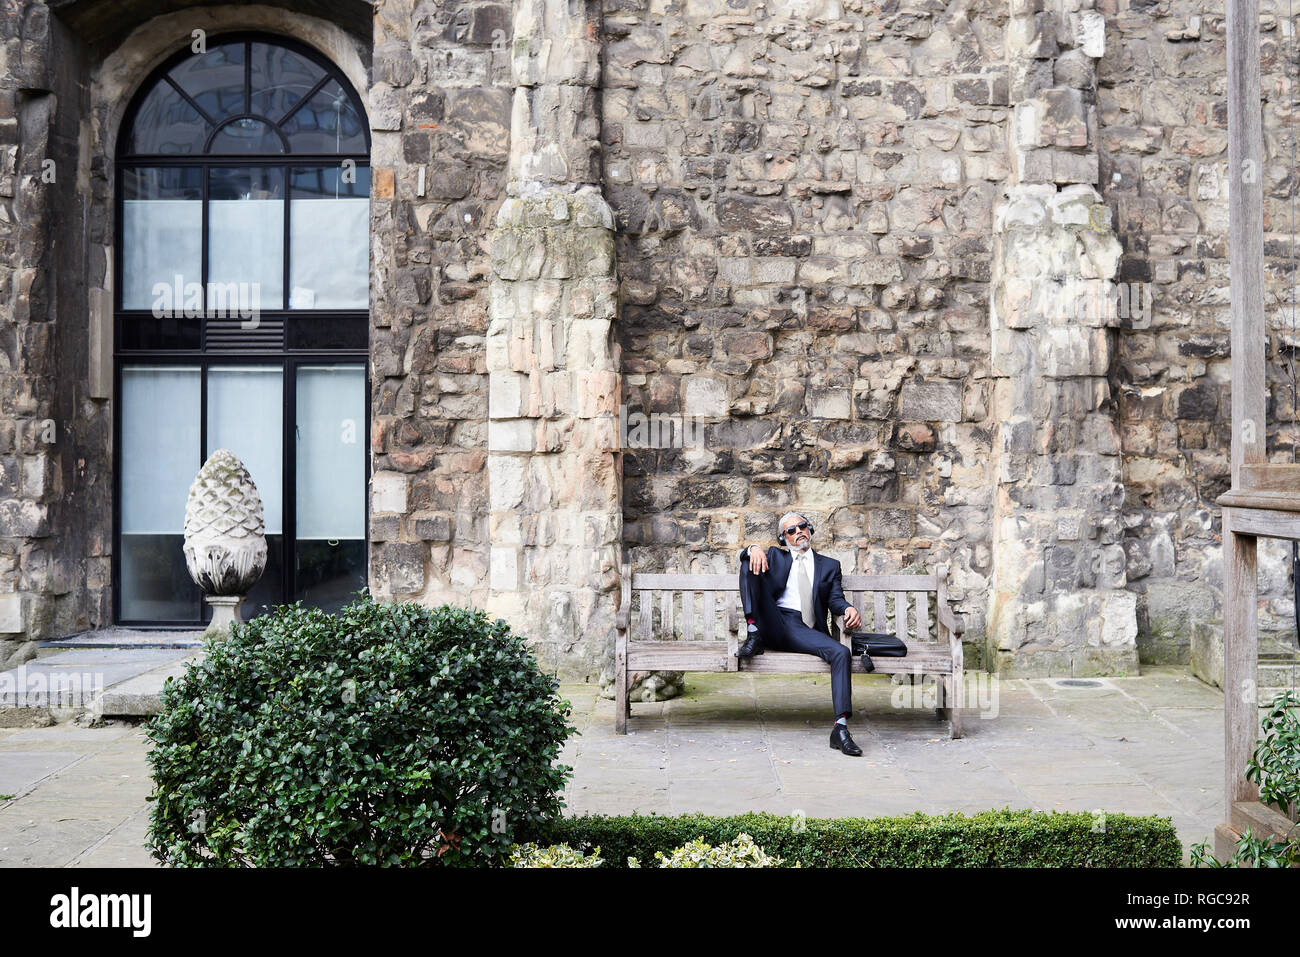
788,662
712,656
677,656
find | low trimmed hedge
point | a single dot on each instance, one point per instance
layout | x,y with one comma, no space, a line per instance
1005,838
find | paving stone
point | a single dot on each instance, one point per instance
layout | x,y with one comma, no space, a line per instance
93,812
19,770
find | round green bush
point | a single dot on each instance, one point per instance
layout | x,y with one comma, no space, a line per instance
383,735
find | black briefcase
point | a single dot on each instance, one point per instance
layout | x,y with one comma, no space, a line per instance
868,643
877,645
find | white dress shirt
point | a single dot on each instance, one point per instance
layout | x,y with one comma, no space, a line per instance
790,597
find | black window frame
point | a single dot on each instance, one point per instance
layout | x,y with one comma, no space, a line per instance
275,342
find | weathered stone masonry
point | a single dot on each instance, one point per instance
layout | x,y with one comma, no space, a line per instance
845,237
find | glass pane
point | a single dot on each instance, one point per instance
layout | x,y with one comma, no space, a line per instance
246,237
328,123
329,238
159,459
214,80
162,236
166,123
330,551
246,136
281,78
246,416
269,591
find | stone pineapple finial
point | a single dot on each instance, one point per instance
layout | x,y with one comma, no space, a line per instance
225,540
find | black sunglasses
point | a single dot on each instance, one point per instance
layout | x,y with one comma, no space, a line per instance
796,528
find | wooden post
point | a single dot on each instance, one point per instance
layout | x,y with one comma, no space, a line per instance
1240,660
1245,235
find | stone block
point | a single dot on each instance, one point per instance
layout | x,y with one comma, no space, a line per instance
506,478
435,528
503,573
388,492
512,435
930,401
829,403
819,493
887,524
400,565
12,619
704,396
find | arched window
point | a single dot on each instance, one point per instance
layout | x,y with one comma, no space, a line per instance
242,297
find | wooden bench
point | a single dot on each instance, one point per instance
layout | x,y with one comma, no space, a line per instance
698,620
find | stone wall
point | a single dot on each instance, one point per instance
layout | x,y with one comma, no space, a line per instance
67,71
1163,151
440,119
54,569
804,199
553,461
806,255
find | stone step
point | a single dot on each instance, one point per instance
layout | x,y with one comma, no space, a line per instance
72,680
139,696
130,638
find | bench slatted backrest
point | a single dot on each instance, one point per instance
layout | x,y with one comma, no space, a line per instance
895,604
706,606
691,607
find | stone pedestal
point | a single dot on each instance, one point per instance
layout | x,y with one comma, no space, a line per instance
225,612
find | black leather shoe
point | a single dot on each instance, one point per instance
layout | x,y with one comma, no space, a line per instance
750,648
841,741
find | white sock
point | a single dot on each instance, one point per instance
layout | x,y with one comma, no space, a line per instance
842,720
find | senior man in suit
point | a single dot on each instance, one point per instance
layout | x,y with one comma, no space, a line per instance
786,596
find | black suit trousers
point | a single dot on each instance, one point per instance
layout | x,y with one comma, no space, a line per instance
782,629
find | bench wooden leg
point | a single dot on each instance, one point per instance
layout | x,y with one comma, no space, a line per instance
622,706
941,708
954,712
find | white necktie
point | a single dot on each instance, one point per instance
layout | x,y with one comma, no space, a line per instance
804,584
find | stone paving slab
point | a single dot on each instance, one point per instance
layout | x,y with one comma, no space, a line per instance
21,770
1155,748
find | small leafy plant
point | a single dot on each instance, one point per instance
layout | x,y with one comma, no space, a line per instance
558,855
388,734
1275,767
742,852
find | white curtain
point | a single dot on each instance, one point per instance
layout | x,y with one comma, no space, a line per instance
160,447
246,245
329,253
161,239
246,416
331,467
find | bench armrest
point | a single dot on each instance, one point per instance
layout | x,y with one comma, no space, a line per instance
950,621
623,617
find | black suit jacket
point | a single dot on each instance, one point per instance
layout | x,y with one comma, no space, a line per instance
759,593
